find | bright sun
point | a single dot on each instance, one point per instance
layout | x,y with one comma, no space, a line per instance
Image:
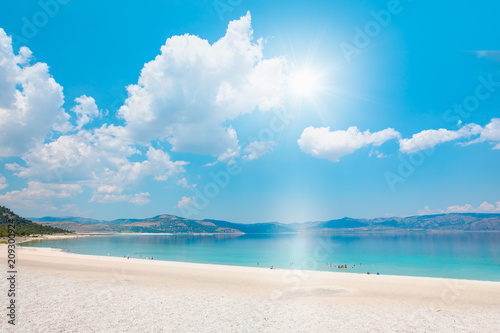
305,82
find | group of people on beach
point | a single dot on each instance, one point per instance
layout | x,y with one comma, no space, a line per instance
342,266
128,257
331,265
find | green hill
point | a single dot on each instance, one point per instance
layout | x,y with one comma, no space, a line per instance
24,227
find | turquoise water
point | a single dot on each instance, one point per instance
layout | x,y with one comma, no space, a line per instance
463,255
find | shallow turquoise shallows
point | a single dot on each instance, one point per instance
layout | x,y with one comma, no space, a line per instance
463,255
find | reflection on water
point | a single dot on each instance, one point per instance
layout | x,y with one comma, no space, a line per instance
470,255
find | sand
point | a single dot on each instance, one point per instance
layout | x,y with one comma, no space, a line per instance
62,292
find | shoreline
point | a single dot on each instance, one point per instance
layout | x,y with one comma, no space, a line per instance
56,252
65,291
288,270
26,239
369,270
305,271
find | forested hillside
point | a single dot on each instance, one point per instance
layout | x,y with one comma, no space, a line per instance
24,227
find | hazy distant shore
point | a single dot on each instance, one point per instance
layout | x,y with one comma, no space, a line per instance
174,224
60,291
25,239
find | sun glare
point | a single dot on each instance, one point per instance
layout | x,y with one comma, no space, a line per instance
305,82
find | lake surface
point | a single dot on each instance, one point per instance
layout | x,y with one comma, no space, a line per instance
463,255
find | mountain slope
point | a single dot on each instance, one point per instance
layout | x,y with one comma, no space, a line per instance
157,224
174,224
345,223
272,227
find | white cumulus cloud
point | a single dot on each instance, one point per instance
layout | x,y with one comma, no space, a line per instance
86,110
187,95
98,159
490,133
485,207
40,195
428,211
192,88
467,208
184,183
138,198
320,142
186,201
332,145
377,153
256,149
430,138
30,101
3,182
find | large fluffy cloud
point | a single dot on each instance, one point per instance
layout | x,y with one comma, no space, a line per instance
98,159
30,101
187,94
95,158
332,145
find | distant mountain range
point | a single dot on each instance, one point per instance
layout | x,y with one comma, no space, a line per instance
175,224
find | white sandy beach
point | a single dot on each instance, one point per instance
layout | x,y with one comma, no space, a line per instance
61,292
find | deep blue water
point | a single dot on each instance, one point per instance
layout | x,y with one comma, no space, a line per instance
465,255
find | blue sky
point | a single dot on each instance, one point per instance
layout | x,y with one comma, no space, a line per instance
249,111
